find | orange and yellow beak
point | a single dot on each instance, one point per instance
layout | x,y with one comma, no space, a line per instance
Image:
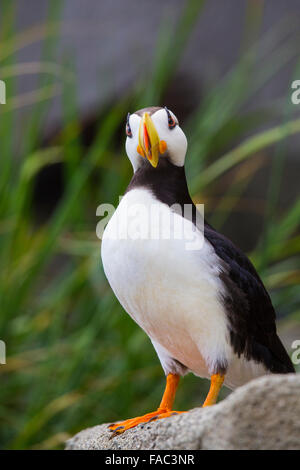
150,146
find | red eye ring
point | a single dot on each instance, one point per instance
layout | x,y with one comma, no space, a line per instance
171,121
128,128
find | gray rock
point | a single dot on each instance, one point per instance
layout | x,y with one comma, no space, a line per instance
263,414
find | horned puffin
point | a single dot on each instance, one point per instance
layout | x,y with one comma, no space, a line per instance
205,310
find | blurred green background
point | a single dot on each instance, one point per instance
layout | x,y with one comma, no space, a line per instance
74,358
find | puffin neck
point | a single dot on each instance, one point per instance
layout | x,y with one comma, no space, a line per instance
167,182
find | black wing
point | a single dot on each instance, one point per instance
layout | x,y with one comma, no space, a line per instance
249,308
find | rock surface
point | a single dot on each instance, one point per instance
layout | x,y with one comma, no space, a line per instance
264,414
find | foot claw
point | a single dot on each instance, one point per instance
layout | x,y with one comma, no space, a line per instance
117,429
114,434
154,418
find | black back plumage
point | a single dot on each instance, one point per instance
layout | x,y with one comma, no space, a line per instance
250,313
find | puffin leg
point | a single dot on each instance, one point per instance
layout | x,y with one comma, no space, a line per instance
216,382
163,411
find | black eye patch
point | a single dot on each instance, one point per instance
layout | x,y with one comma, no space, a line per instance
128,128
171,121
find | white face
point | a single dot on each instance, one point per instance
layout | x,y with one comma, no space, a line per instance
175,139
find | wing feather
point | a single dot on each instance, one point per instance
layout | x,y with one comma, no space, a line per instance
251,314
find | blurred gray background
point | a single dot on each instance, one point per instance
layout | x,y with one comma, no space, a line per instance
112,43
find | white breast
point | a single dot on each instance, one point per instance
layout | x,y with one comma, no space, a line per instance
172,292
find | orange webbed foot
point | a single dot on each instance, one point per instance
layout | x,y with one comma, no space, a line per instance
119,428
163,411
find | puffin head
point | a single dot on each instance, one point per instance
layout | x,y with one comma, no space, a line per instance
154,133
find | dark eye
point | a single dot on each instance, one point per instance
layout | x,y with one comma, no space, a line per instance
171,121
128,128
